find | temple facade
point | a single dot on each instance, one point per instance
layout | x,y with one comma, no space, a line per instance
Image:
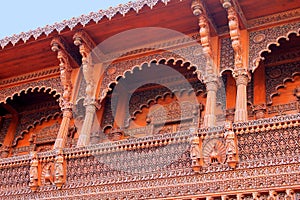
155,99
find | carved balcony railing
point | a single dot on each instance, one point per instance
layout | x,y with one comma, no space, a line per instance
159,167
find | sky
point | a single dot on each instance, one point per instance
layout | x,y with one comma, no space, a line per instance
18,16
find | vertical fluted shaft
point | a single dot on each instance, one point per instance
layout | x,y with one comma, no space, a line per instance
85,134
63,129
211,102
241,113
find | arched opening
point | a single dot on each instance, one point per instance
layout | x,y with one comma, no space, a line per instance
30,121
277,78
148,91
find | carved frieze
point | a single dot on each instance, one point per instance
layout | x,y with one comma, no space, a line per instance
260,41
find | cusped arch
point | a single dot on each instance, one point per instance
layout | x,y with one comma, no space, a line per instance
282,85
106,87
46,89
266,45
34,124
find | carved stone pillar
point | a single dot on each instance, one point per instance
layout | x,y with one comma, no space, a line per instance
85,134
240,72
211,102
86,45
63,129
210,75
33,172
65,102
242,78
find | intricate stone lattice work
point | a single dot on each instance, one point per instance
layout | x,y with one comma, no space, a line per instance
276,77
108,119
14,180
260,41
227,55
271,146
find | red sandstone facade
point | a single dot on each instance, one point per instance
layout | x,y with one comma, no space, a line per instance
157,99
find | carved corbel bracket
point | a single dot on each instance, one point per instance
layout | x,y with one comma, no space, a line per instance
234,31
58,45
231,145
86,46
59,167
205,38
196,153
33,172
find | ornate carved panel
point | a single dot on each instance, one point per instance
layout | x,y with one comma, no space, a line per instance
54,84
227,55
4,127
271,146
29,120
108,119
47,134
192,54
276,77
14,180
260,40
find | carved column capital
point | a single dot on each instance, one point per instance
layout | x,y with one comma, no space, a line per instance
241,76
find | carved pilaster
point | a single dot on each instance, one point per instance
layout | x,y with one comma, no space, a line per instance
196,153
60,175
86,45
231,145
33,172
65,101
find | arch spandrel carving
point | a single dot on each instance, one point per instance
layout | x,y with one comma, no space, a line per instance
260,41
192,55
52,85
